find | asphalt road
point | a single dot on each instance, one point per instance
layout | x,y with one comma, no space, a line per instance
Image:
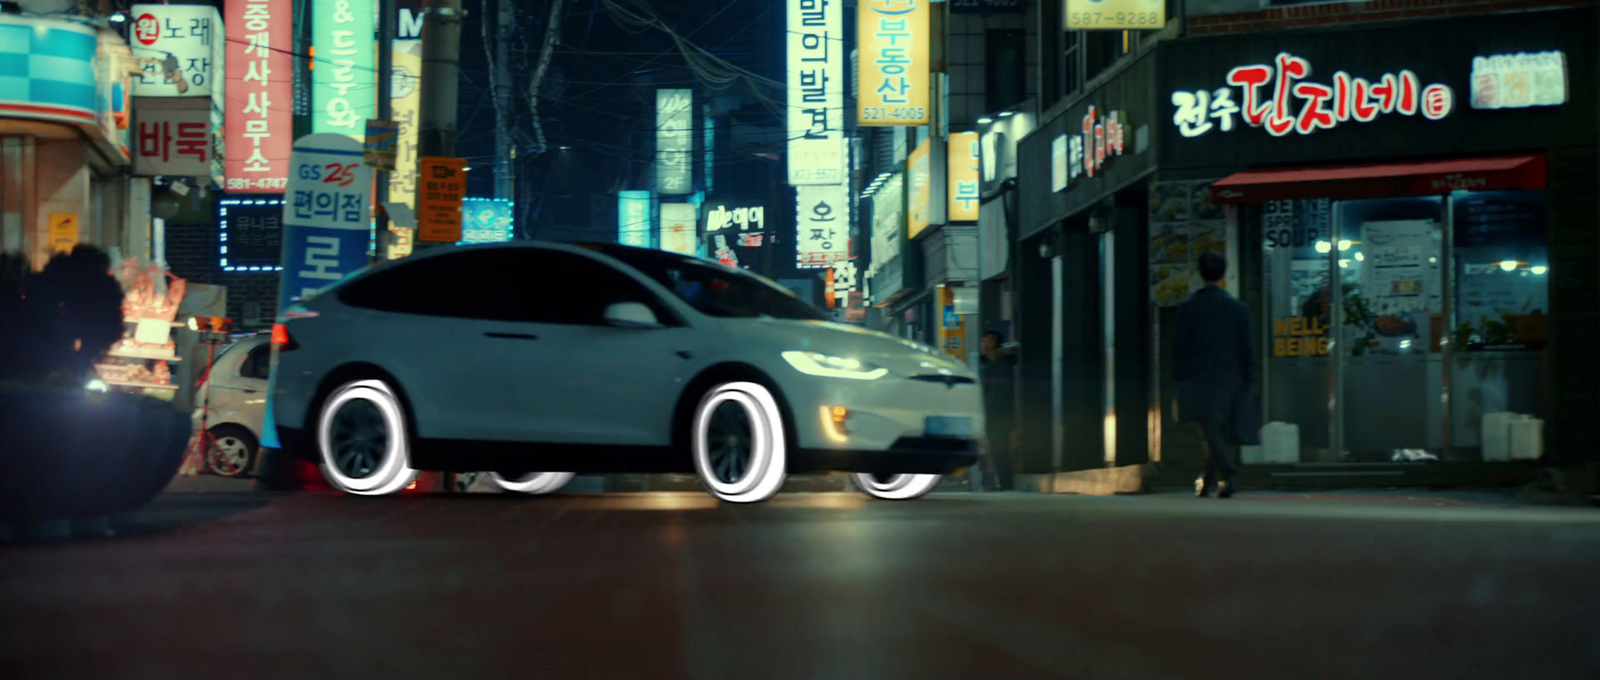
812,586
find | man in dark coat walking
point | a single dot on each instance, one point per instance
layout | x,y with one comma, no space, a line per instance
1215,368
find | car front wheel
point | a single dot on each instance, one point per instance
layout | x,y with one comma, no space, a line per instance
895,487
362,440
739,443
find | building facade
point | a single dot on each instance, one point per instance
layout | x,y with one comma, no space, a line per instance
1450,178
64,140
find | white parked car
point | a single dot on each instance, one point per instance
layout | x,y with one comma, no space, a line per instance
534,361
237,385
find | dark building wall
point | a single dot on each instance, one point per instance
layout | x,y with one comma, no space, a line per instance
1207,17
193,254
1573,369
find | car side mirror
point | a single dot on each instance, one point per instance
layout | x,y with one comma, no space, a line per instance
631,315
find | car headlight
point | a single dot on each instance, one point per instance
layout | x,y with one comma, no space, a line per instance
814,363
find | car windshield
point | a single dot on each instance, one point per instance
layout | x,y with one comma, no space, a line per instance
716,290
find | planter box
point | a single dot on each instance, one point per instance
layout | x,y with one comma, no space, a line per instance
70,454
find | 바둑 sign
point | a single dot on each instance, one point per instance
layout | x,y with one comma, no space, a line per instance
439,192
325,222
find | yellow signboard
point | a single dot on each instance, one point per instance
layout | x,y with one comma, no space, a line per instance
63,231
406,100
1116,15
963,177
920,164
894,62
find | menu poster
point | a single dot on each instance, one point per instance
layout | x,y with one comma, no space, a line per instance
1184,224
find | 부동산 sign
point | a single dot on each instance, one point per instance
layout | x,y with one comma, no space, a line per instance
893,66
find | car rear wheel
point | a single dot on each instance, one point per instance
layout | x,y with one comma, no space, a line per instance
362,441
531,483
895,487
233,451
739,443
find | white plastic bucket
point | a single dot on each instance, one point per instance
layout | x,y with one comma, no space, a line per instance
1497,436
1527,438
1280,442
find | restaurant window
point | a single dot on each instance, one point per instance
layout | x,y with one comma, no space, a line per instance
1071,63
1359,367
1102,50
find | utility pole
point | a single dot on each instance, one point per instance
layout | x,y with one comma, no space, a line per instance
386,31
441,66
505,179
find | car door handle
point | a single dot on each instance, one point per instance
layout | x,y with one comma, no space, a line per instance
512,336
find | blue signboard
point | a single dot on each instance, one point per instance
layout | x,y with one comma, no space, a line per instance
633,218
47,70
486,220
326,229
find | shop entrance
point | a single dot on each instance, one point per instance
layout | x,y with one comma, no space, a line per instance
1402,329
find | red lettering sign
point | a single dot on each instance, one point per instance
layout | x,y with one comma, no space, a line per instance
259,106
1298,104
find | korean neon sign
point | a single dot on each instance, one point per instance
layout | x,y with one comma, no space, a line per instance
1292,103
1100,137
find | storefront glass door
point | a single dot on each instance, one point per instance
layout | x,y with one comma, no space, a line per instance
1389,373
1295,338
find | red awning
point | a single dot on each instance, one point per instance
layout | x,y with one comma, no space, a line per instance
1375,181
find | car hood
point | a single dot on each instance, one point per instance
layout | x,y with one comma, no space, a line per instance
854,342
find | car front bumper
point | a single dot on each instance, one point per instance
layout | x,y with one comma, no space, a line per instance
886,426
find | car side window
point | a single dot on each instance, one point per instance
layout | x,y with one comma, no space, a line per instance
484,284
586,287
530,285
258,363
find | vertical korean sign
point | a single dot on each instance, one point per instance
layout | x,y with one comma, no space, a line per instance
919,167
963,173
824,225
325,223
674,142
633,218
894,62
343,91
816,92
405,97
679,233
260,96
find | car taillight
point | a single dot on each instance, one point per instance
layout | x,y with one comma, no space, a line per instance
280,337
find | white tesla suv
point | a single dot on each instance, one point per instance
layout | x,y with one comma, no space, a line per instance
535,361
